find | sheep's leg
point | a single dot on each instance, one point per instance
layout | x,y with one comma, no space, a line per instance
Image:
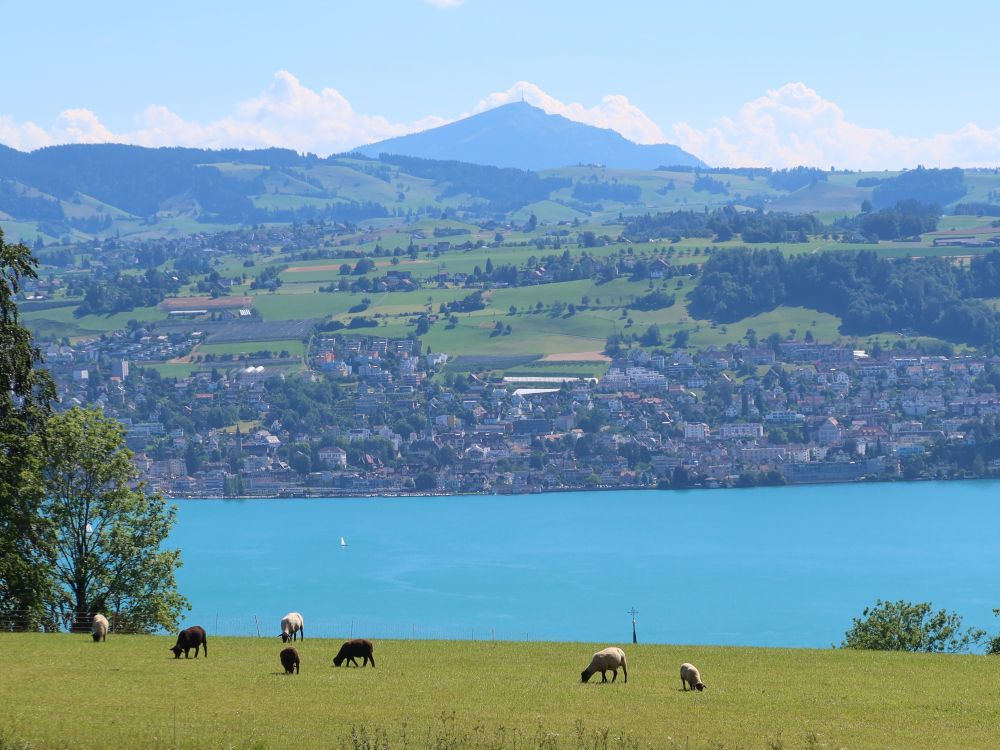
604,676
614,672
684,684
625,672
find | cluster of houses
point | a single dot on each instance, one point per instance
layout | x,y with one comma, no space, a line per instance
406,421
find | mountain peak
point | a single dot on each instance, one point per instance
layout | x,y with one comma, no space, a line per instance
519,134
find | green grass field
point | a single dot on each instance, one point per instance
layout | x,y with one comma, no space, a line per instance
294,347
64,691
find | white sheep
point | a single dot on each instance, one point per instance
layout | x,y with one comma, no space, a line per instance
610,658
99,628
691,676
292,627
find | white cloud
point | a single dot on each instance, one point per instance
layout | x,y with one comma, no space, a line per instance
290,115
615,111
794,125
25,136
287,115
788,126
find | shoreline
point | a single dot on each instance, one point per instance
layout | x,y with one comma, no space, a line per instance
563,490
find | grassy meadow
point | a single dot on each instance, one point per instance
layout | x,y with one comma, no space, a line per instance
62,691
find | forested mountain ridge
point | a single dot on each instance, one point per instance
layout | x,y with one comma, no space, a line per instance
66,194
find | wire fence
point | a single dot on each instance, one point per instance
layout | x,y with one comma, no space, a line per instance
269,626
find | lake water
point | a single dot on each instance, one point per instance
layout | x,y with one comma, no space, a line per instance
770,567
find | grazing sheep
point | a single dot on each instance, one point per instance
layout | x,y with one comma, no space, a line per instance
99,628
191,638
691,676
351,649
292,626
610,658
290,660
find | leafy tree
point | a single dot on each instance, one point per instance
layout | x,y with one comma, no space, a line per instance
993,647
108,532
653,301
26,393
908,626
652,336
425,482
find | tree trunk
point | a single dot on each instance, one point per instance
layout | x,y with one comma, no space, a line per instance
82,617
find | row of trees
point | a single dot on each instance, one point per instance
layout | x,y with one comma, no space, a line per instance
723,224
78,532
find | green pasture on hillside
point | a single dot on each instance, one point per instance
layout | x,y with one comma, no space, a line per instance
61,321
63,691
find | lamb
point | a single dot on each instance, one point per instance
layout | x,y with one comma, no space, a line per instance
290,660
691,676
351,649
292,626
191,638
99,628
610,658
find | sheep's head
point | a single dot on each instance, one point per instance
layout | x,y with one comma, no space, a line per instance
585,675
177,651
338,660
96,637
284,637
701,686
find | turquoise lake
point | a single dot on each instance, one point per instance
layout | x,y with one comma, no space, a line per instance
786,566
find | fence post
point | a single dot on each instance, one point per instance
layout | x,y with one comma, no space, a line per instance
257,622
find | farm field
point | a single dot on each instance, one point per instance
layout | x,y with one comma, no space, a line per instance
485,695
294,347
59,322
601,309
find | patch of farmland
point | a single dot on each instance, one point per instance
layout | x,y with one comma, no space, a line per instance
206,303
270,330
481,363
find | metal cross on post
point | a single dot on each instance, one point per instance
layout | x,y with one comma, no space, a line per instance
633,612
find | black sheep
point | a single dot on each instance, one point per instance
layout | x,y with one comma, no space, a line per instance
359,647
193,637
290,660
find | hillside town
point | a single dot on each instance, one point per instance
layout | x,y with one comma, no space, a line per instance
371,415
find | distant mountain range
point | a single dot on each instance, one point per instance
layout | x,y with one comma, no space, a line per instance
522,136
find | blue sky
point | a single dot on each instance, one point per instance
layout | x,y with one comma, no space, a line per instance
876,84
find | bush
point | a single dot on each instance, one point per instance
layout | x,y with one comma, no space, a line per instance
906,626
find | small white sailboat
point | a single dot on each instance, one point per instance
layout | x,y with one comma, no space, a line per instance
343,543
